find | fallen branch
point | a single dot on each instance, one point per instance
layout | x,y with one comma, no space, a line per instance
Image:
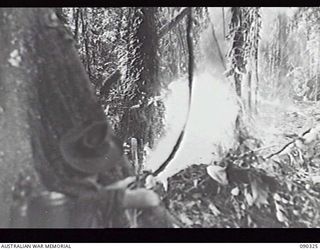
291,142
282,149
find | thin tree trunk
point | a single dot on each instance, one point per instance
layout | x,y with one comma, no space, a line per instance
85,41
317,74
250,92
76,29
223,24
257,78
279,53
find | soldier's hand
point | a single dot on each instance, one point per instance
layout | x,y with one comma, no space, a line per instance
140,198
137,198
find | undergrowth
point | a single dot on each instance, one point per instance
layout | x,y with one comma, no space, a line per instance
249,189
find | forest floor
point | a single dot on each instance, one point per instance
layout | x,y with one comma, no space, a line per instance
275,121
199,201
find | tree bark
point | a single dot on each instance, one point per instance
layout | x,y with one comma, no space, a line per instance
44,93
76,21
142,77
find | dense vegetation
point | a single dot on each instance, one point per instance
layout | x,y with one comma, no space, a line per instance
253,75
249,186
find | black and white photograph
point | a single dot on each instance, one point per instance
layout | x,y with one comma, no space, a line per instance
160,117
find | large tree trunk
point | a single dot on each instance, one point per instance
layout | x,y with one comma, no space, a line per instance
44,93
142,75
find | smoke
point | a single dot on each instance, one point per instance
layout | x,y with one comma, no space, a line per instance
210,127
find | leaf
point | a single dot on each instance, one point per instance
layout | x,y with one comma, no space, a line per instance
215,211
311,136
248,197
276,197
218,173
270,182
135,106
238,175
235,191
259,193
280,213
185,220
195,183
315,179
